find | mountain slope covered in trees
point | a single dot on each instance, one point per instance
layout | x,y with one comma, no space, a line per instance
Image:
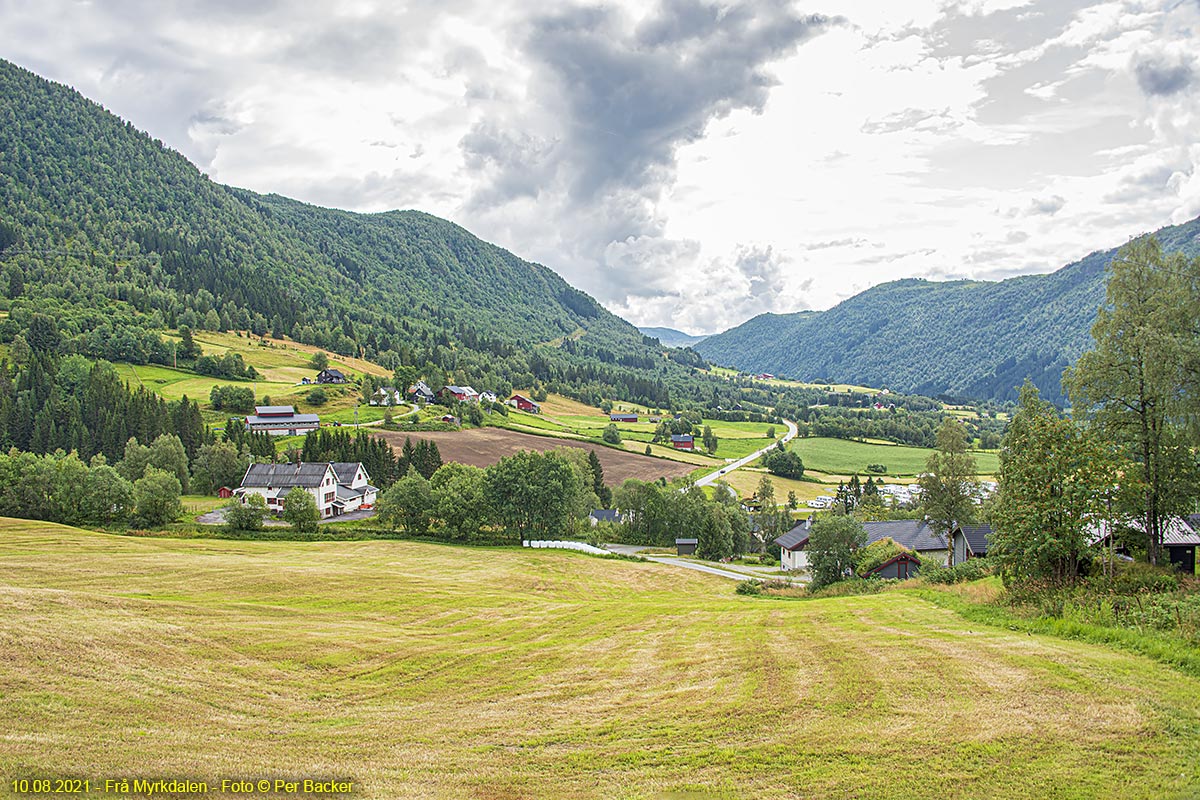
116,237
971,338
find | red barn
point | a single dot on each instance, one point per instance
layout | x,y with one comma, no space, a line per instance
224,493
523,403
683,441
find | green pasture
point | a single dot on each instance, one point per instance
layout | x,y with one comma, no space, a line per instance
422,670
843,457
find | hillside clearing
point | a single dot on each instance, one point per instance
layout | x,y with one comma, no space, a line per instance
420,670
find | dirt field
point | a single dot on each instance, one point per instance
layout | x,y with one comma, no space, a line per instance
482,447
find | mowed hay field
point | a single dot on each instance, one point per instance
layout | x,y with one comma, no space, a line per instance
844,457
419,670
482,447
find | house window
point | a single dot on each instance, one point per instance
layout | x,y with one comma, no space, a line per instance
329,497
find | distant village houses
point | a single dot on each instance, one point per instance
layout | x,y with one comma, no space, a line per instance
464,394
421,394
331,375
338,487
522,403
281,421
386,396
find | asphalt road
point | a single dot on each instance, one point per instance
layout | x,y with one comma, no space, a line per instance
741,462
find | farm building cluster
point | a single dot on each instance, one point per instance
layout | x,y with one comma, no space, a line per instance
338,487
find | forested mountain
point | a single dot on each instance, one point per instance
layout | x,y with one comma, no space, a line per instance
116,237
670,337
969,338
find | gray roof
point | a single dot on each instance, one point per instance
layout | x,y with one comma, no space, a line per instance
345,470
283,422
681,437
604,515
687,541
912,534
795,538
309,475
977,537
262,410
1177,532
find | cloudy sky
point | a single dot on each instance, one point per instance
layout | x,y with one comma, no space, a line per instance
690,163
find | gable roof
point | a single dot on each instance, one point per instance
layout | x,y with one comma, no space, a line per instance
346,470
977,537
274,411
604,515
794,539
332,372
306,474
682,437
911,534
898,557
1178,532
289,421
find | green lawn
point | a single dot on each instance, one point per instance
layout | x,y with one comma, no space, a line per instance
842,457
420,670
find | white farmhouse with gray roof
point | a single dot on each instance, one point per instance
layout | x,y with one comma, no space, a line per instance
338,487
281,421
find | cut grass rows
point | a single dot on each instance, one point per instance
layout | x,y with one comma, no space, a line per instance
432,671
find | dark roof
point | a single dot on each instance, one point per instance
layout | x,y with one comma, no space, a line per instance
308,475
794,539
604,515
687,541
893,560
295,420
977,537
332,373
911,534
345,470
622,415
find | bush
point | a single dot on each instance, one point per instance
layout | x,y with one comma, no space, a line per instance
611,434
879,469
317,397
750,587
970,570
851,587
875,554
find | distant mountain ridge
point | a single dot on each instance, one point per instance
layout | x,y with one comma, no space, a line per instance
673,338
977,339
117,237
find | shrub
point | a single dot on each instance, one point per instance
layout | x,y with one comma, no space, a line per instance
970,570
879,469
317,397
850,587
877,553
751,587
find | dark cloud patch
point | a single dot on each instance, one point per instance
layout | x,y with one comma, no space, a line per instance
630,96
1161,76
1046,206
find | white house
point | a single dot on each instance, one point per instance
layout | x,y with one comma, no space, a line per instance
387,396
793,547
487,397
338,487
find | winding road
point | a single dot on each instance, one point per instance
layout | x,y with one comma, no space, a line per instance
741,462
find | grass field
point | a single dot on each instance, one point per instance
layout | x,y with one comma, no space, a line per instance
842,457
419,670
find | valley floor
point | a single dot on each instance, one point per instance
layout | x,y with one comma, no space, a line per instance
419,670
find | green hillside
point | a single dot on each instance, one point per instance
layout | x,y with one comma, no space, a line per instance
117,237
970,338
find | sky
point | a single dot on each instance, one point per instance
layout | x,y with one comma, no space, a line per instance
689,163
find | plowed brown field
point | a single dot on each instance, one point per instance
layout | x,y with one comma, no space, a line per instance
482,447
